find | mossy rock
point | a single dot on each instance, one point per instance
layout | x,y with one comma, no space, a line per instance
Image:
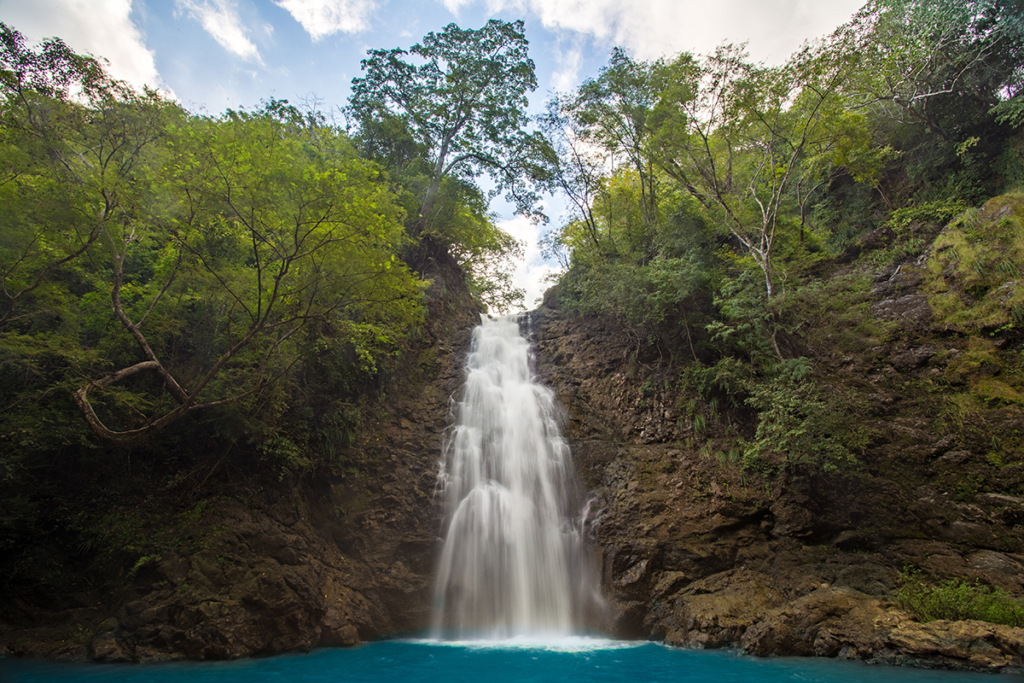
996,393
979,358
975,280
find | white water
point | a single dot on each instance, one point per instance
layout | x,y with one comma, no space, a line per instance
513,562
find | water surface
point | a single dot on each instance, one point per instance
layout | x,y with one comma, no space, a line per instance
519,660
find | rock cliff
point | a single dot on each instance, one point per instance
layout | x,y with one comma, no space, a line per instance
699,552
694,550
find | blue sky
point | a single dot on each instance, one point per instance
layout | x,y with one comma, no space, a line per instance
214,54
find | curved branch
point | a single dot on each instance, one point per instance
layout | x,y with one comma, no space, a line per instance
81,397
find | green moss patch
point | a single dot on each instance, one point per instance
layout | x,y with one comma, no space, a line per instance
979,358
996,393
975,279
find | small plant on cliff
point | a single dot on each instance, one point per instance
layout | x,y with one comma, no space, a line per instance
956,600
808,425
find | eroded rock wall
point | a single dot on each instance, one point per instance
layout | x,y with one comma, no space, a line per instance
700,553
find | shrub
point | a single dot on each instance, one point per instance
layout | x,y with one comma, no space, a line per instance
803,422
957,600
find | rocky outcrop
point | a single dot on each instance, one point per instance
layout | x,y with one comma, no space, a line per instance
692,549
700,553
348,560
259,584
954,644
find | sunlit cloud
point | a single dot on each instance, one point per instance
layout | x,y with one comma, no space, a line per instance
102,28
530,273
774,29
454,6
566,77
322,18
220,19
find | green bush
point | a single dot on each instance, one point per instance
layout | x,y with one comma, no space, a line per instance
957,600
802,422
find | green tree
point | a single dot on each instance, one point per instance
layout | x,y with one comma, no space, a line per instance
567,164
57,204
157,263
484,252
734,136
919,58
269,222
461,95
943,83
613,112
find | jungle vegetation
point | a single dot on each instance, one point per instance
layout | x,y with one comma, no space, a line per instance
714,200
180,291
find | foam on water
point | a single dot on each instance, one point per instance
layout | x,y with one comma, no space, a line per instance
538,641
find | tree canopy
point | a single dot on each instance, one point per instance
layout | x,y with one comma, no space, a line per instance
707,191
143,241
157,263
461,96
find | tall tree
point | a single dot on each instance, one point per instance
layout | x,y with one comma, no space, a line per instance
568,164
166,263
462,96
613,110
734,134
596,138
269,225
926,62
57,203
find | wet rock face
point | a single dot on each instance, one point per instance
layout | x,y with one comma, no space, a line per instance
260,586
698,554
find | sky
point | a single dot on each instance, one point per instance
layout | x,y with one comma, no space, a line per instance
214,54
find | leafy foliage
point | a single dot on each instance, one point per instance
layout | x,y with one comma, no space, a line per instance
156,264
438,116
871,140
957,600
741,139
975,268
460,96
918,59
243,277
803,423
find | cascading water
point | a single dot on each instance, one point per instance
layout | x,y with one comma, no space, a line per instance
513,561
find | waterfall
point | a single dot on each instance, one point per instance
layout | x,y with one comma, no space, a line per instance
513,561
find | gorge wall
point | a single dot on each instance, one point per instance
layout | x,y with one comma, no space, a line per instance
342,557
694,550
699,552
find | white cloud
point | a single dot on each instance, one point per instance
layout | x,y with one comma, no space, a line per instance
567,75
322,18
654,28
532,271
454,6
102,28
220,19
